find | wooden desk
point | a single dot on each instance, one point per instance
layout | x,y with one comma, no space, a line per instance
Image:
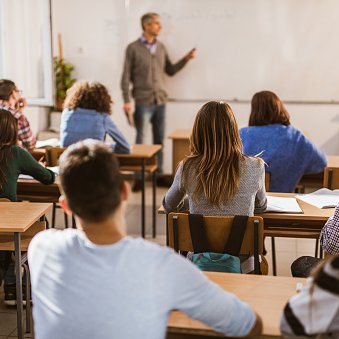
16,218
143,158
266,294
180,149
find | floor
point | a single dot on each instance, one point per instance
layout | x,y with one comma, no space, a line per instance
286,249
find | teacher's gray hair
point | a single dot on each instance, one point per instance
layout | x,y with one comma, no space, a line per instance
147,18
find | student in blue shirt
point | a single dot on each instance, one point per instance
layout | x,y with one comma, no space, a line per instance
86,115
287,152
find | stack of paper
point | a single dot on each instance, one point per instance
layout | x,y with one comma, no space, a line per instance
283,205
54,142
323,198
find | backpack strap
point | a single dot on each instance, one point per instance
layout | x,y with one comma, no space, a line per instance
175,233
236,237
198,233
256,247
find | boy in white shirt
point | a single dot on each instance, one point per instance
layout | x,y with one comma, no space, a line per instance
96,282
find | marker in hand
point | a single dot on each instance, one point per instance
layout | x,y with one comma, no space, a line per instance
191,54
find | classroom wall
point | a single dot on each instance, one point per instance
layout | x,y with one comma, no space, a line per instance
94,40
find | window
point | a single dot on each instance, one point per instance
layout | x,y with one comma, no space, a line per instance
26,50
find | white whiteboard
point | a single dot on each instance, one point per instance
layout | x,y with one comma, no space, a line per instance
244,46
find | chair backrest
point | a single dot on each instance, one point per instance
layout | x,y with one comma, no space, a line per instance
331,178
217,232
53,155
267,181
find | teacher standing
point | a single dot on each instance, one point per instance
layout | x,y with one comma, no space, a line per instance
146,64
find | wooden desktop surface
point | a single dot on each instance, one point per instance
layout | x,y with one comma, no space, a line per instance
310,212
19,216
141,151
266,294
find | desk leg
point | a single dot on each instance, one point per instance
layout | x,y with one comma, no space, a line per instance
143,197
18,277
154,220
274,262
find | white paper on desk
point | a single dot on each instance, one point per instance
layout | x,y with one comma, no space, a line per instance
323,198
283,205
54,169
54,142
25,176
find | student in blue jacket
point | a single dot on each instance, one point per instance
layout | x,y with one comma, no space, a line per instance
87,115
287,152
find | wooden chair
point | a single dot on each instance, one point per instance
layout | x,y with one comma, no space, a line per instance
53,155
7,244
331,178
217,232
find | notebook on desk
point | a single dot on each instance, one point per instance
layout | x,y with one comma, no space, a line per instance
283,205
323,198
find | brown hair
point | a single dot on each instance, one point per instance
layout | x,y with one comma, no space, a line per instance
216,152
90,95
147,18
267,109
91,180
6,89
8,138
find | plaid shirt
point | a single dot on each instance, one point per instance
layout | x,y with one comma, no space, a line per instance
329,236
25,135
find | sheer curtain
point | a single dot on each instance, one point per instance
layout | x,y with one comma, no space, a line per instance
25,48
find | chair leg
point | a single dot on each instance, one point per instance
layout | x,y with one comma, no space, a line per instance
274,264
316,248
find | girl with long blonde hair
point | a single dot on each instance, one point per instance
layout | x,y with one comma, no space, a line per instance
216,178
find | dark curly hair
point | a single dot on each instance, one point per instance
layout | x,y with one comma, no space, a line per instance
90,95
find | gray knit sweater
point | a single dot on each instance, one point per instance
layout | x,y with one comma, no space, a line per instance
146,72
250,198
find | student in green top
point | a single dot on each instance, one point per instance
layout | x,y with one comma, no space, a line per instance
14,161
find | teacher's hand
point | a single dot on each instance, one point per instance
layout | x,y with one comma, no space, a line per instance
129,114
191,54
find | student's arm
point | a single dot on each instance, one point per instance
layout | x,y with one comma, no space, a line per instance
25,134
122,145
260,198
315,158
174,199
28,165
187,289
329,236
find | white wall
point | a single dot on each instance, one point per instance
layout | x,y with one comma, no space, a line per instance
94,39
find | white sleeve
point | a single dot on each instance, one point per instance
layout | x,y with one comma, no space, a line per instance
191,292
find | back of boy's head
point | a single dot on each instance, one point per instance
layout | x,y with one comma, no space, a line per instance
91,180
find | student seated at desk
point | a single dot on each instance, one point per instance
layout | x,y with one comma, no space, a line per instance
314,312
286,151
216,178
14,160
112,285
88,106
329,241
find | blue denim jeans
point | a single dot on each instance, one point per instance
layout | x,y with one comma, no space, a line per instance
155,114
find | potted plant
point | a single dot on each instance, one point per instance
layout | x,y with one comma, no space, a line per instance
63,80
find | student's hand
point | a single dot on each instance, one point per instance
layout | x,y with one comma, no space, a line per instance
20,104
129,114
191,54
